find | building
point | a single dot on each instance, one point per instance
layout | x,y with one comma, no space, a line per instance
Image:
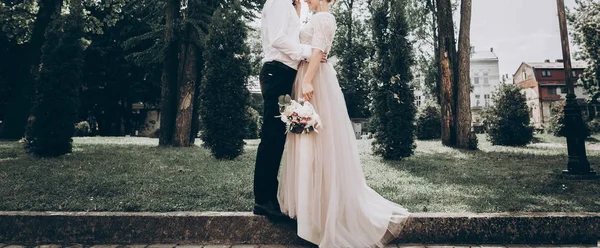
485,79
544,86
421,97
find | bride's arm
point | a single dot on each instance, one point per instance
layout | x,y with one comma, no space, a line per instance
313,67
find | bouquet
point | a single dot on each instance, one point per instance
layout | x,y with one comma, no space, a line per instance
299,116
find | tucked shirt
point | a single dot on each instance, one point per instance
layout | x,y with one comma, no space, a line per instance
280,31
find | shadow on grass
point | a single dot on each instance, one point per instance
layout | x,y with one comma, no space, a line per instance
495,181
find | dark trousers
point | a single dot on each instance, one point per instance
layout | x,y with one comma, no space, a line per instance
276,79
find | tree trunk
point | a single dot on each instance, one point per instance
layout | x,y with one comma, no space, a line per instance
447,53
168,103
20,105
187,88
196,106
464,82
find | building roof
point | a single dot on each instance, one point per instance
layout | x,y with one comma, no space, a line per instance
483,55
556,65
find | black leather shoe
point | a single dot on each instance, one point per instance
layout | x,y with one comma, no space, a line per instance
269,210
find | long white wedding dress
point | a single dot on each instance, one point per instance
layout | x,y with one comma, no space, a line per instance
322,184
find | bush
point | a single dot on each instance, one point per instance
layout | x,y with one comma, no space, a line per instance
593,126
391,90
253,124
429,123
508,118
557,121
82,129
50,129
225,98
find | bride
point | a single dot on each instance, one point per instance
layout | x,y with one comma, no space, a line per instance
322,184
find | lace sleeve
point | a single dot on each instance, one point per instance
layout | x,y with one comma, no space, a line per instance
324,31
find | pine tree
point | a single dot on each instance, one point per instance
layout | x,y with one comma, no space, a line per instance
225,97
54,112
352,50
509,118
393,96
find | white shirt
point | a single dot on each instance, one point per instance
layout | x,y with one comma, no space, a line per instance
280,32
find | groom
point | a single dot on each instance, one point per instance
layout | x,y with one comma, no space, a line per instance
280,31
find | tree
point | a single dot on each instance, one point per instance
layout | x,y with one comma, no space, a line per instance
55,110
225,97
454,75
113,83
15,19
448,63
392,93
182,36
464,138
586,34
508,117
352,50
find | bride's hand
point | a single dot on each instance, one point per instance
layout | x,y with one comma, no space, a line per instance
307,91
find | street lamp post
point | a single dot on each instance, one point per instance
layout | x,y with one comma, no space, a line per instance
578,164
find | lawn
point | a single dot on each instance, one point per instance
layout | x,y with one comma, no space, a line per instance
132,174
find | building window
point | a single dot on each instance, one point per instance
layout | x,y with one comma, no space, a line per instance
477,103
486,99
552,91
524,75
418,101
486,77
546,73
476,77
574,73
563,89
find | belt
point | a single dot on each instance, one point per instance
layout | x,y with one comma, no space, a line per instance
280,65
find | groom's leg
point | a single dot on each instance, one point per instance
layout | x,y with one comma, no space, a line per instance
275,80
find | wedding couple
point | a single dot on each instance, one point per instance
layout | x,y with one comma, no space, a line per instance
322,184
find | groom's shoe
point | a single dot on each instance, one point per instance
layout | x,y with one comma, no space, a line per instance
270,210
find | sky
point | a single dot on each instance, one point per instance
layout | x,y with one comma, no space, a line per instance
518,30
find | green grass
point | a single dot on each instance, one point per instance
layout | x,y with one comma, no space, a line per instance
132,174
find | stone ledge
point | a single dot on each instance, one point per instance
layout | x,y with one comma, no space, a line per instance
246,228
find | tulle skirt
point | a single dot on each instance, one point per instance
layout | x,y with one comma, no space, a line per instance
322,184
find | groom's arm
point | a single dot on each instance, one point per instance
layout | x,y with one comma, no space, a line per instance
279,18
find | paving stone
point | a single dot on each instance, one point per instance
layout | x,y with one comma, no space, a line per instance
272,246
189,246
244,246
439,246
217,246
104,246
14,246
49,246
518,246
133,246
162,246
492,246
74,246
